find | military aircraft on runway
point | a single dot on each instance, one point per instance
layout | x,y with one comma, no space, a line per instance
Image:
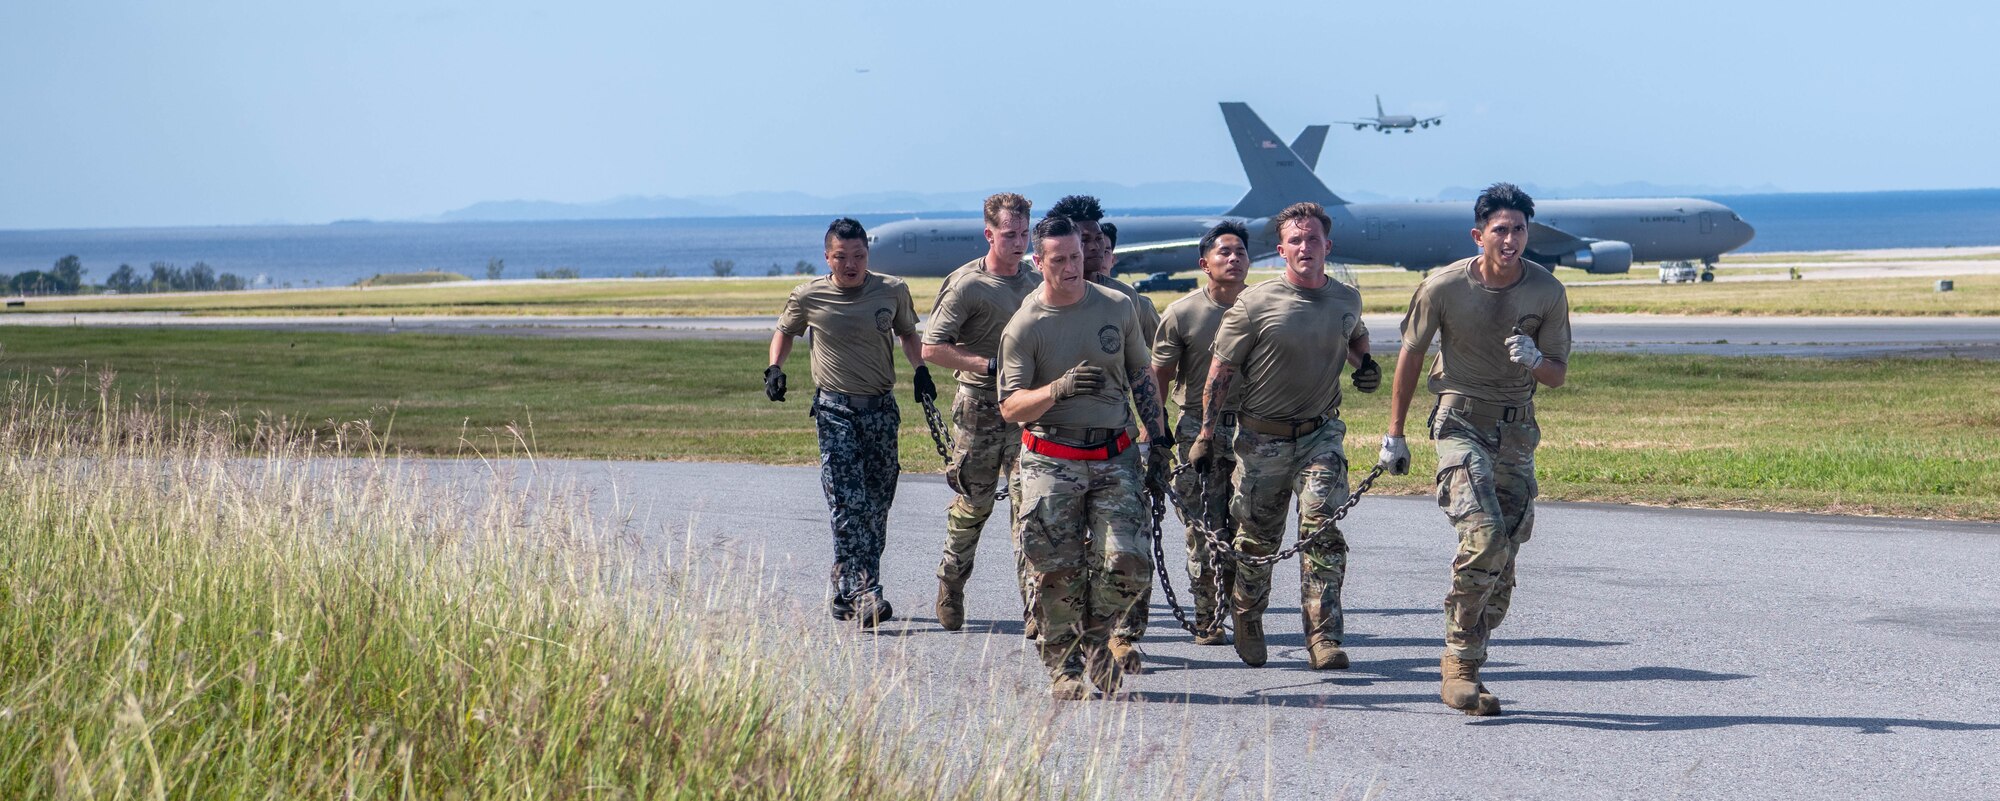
1598,236
1392,122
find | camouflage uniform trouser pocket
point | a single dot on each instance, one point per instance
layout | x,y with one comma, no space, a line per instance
984,450
1270,472
1486,486
1082,531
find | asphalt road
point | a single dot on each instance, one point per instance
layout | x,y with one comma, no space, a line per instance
1840,337
1650,653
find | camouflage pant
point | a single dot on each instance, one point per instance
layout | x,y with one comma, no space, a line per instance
1211,506
1269,471
1081,527
984,449
858,467
1486,485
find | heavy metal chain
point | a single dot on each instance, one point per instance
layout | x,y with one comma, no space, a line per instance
1218,547
1160,500
936,423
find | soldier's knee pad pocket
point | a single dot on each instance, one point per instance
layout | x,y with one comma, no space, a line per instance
1526,530
1457,485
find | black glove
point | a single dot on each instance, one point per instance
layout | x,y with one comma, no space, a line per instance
1368,377
1199,454
1159,466
926,388
774,383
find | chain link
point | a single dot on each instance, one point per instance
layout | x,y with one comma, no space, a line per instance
936,423
1219,548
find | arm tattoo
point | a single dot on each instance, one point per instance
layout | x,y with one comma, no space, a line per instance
1146,397
1221,375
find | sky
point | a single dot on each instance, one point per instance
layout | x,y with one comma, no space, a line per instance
118,114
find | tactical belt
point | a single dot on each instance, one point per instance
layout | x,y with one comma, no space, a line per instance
980,394
1487,412
1090,453
857,403
1288,429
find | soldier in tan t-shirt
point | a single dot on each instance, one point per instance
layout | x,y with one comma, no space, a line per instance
853,314
1100,239
1149,316
1072,369
963,333
1504,323
1182,351
1285,341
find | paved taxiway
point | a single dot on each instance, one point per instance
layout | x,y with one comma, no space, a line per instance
1651,653
1840,337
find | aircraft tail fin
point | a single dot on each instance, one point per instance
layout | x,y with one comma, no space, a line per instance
1379,113
1309,143
1278,176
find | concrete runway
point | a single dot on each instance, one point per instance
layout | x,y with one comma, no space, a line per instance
1837,337
1650,652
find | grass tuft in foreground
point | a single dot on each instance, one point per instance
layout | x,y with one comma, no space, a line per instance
308,618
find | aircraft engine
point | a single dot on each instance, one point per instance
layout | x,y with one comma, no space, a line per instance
1600,257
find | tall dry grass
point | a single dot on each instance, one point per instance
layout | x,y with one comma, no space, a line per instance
196,606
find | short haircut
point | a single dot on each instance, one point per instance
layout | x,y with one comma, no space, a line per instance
1081,208
1301,211
845,228
1222,229
1053,227
1006,202
1502,196
1110,233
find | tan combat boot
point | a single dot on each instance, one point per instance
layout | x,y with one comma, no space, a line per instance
1461,689
1127,654
1103,668
1212,632
951,604
1250,639
1069,687
1326,655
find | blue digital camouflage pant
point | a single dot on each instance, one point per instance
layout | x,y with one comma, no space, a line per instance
858,467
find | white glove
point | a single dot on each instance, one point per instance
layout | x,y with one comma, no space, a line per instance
1395,456
1521,350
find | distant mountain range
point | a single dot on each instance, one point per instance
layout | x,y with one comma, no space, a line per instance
1174,194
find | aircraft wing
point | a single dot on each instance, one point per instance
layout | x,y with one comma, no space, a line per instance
1355,122
1548,239
1155,247
1438,118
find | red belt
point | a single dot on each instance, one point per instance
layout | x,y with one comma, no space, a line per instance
1058,450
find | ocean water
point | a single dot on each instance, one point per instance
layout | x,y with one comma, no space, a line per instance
342,253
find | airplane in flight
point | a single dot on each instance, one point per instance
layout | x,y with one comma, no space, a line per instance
1599,236
1392,122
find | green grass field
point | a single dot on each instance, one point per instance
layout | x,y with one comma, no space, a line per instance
1384,292
1906,437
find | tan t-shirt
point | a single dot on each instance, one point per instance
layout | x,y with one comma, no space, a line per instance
853,350
1186,340
1290,345
1149,317
973,309
1476,321
1042,342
